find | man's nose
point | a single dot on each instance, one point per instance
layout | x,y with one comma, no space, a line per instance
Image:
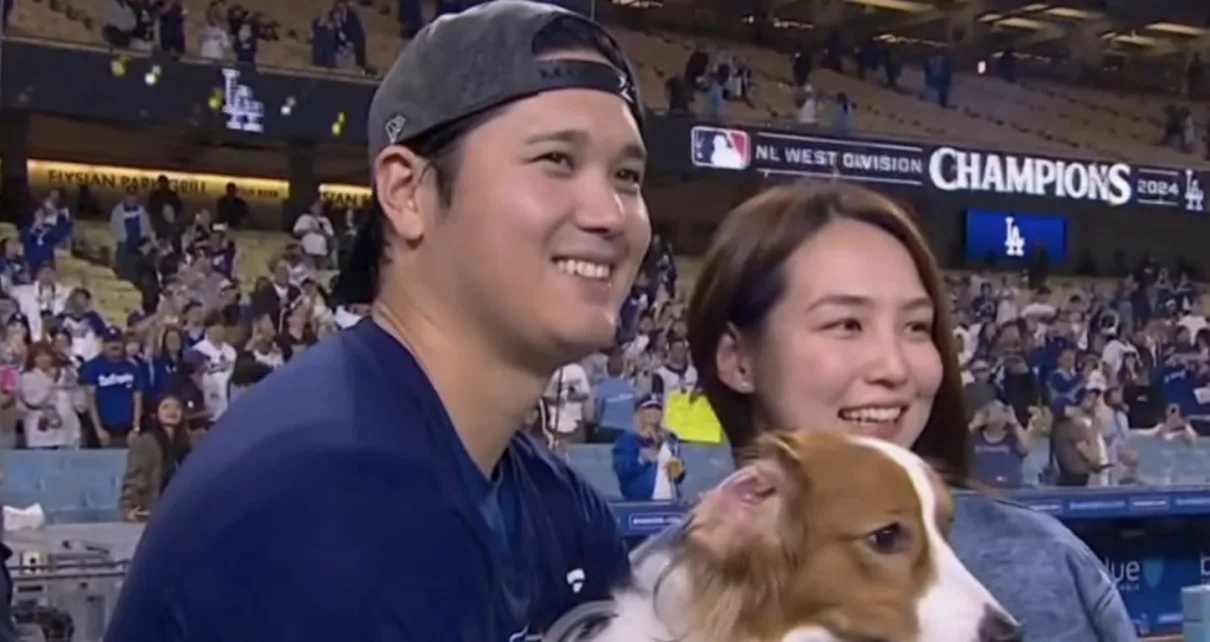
998,626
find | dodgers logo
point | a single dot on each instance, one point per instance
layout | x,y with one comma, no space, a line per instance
720,148
1153,571
1195,197
244,112
1014,241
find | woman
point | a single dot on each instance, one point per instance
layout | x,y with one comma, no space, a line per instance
46,397
166,360
155,454
822,307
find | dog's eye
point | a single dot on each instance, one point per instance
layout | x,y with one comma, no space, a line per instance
889,539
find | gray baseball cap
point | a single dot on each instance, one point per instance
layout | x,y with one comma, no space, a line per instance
461,65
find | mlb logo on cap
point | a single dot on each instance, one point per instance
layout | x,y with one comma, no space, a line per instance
721,148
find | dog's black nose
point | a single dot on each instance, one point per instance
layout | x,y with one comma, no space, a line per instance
997,626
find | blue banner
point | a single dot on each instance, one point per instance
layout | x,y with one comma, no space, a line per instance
1014,236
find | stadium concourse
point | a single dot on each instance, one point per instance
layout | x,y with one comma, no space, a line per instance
201,300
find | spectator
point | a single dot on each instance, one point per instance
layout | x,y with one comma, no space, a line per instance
714,98
349,30
172,26
999,444
842,118
216,41
143,38
565,395
191,389
315,234
808,105
220,361
648,461
245,45
275,297
129,224
115,387
323,41
167,351
164,206
155,455
981,391
297,332
50,419
679,95
231,210
614,400
263,345
676,374
45,296
82,325
51,226
120,23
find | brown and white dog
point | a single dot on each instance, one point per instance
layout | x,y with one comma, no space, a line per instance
822,538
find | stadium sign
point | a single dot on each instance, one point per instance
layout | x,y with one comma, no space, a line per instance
953,170
944,168
244,112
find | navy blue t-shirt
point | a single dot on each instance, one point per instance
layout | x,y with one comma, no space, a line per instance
334,501
116,382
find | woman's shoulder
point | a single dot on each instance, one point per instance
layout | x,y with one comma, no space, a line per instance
1039,570
980,513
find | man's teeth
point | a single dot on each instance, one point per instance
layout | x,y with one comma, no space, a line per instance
872,415
585,269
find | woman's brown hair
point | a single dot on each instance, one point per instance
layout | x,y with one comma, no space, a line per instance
742,278
39,348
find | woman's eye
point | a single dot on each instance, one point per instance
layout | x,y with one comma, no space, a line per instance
845,326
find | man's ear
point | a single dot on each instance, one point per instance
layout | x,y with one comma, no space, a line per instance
398,183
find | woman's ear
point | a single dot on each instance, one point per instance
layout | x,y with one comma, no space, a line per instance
733,360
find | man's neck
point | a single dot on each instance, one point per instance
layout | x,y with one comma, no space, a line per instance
486,396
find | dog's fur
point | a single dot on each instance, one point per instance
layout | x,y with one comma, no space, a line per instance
821,538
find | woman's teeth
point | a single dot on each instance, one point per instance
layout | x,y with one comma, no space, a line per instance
873,415
586,269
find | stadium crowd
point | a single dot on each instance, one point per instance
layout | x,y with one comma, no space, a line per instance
1085,367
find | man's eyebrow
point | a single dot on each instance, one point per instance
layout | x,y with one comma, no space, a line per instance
631,151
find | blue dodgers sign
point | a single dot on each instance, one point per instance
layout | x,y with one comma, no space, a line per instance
851,159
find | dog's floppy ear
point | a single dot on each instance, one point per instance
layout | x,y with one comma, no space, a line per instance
752,483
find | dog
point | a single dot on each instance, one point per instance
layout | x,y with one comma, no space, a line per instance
822,537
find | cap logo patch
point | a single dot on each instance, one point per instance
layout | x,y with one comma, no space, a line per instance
394,128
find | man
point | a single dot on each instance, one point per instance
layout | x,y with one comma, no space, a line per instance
647,460
376,488
114,386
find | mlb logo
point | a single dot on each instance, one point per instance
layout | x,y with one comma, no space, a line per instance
721,148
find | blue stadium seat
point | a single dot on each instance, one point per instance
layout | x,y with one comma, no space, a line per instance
72,486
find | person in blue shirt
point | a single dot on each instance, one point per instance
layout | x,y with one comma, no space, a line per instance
613,400
377,487
48,229
647,461
1065,386
115,386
